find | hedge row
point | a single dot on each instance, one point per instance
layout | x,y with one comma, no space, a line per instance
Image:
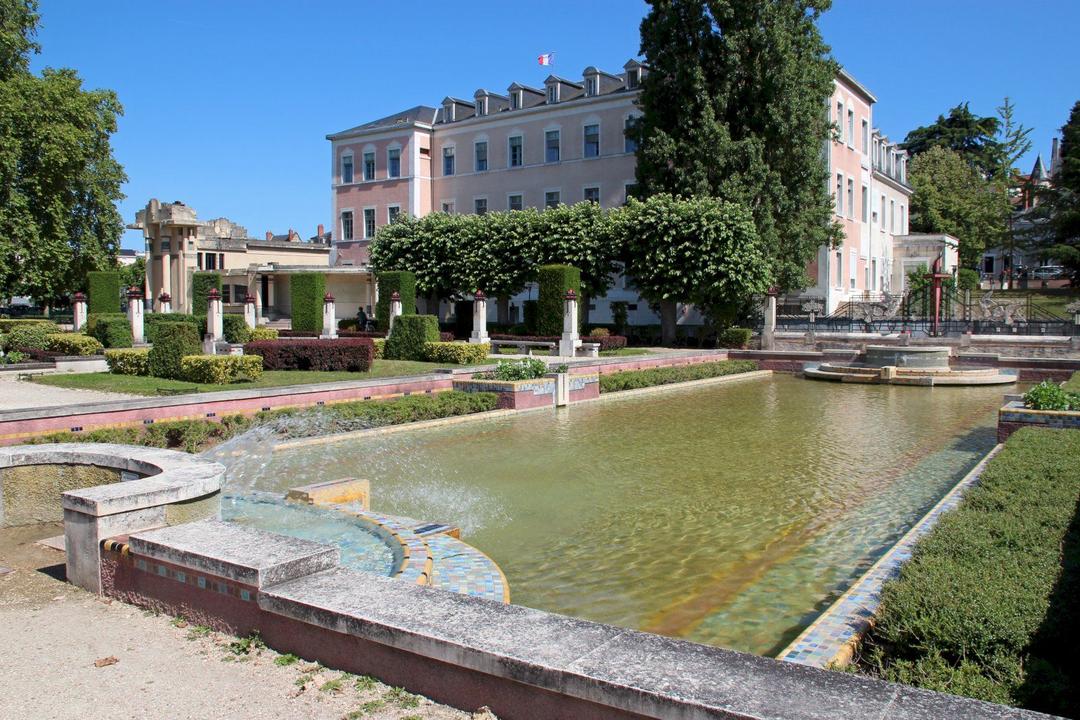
103,291
201,285
988,606
634,379
9,324
606,342
197,435
113,330
410,335
555,280
128,361
30,337
350,354
404,284
221,369
456,353
307,292
175,341
73,344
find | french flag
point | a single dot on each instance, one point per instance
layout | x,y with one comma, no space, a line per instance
547,59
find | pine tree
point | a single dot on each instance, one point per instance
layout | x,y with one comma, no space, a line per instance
1062,201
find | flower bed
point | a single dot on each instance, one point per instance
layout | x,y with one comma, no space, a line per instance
634,379
352,354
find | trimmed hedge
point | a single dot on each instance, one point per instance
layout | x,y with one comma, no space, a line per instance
103,291
733,337
379,348
31,337
634,379
341,333
349,354
151,321
112,330
202,283
9,324
456,353
988,604
263,333
235,328
410,336
74,344
221,369
174,341
307,291
405,285
529,315
555,280
128,361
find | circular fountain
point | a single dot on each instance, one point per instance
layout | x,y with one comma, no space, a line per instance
908,365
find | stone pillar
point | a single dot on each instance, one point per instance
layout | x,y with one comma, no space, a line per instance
249,311
166,273
214,320
135,314
570,341
329,318
165,303
395,310
78,308
479,319
768,332
269,296
1074,309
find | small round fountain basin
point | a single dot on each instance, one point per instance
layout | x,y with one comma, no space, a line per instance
879,356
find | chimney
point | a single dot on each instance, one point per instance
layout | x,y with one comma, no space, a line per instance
292,235
269,235
320,232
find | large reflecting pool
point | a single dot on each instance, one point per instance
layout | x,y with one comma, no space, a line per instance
728,514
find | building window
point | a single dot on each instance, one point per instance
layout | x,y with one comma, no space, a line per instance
633,78
448,206
346,225
882,213
629,143
481,156
592,141
551,146
892,216
198,260
851,198
839,194
873,273
221,261
903,227
514,202
840,118
551,199
211,261
865,203
851,128
629,191
369,166
517,151
392,213
515,100
393,162
865,137
592,194
553,93
369,222
839,269
481,106
448,160
480,206
346,169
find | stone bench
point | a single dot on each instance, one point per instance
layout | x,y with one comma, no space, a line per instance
525,347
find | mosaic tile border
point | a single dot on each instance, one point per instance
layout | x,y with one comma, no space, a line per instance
833,637
184,576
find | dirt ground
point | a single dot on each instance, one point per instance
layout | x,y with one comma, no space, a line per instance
65,653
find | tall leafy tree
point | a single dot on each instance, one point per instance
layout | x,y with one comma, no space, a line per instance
59,181
950,196
962,131
733,108
1062,200
1013,142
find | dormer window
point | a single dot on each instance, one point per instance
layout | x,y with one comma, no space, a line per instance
633,78
591,85
448,112
553,93
515,100
481,106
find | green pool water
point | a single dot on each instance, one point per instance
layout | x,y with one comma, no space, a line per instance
725,514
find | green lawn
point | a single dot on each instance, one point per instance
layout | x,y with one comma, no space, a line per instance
138,385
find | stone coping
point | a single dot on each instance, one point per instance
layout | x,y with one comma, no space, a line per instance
235,552
627,670
168,476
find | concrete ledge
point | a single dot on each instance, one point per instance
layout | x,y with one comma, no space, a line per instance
235,552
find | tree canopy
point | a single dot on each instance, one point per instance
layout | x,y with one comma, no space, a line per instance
59,181
732,108
963,132
1062,199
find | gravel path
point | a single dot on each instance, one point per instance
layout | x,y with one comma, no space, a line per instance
18,394
56,636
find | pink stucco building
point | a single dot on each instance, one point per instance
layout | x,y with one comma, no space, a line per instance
565,143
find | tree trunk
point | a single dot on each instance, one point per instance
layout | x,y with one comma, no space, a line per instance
502,310
667,322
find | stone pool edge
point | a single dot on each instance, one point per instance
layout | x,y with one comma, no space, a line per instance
835,634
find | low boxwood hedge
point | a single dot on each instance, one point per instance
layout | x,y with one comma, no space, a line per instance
221,369
733,337
235,329
8,324
74,344
263,333
989,603
175,341
410,335
456,353
634,379
151,321
349,354
103,291
31,337
113,330
128,361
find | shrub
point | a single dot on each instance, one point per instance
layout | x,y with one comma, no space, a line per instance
307,291
263,333
31,337
151,321
235,328
733,337
7,324
221,369
410,335
103,291
174,342
379,345
12,357
528,316
456,353
405,285
988,602
128,361
1073,383
599,332
349,323
349,354
523,369
967,279
1049,395
74,344
201,285
112,330
634,379
555,280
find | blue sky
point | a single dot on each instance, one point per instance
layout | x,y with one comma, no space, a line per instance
227,104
